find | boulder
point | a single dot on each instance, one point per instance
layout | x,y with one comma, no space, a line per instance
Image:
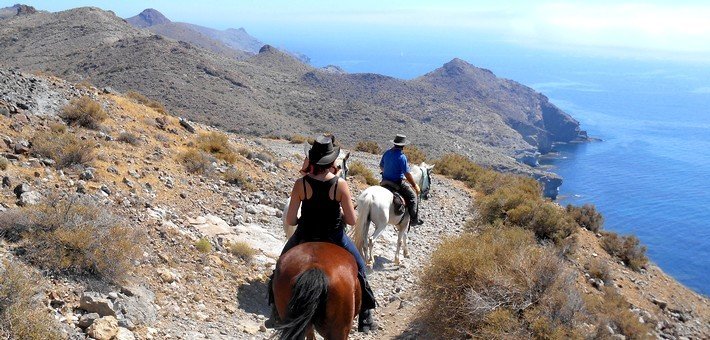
104,328
124,334
184,123
166,275
211,225
21,189
6,182
95,303
29,198
137,305
87,319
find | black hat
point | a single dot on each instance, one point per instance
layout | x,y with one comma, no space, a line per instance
323,152
400,140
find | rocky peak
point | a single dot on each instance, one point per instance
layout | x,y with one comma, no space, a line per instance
457,67
149,17
16,10
267,49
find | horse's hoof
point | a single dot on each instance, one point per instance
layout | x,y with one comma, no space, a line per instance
396,262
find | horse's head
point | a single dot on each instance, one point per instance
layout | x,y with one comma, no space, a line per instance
425,180
341,165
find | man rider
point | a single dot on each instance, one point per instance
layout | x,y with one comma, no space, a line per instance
395,168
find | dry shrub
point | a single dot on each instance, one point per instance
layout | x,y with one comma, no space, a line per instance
495,206
625,248
546,220
74,235
599,269
129,138
368,146
242,250
300,139
483,180
613,311
4,163
197,161
487,285
22,313
141,99
84,112
57,127
357,168
414,154
262,155
237,177
586,216
203,245
217,144
64,148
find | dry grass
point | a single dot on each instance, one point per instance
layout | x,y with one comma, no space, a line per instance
494,284
414,154
369,147
358,169
599,269
242,250
203,245
300,139
586,216
22,314
73,235
237,177
614,311
129,138
196,161
217,144
57,127
4,163
626,248
141,99
84,112
64,148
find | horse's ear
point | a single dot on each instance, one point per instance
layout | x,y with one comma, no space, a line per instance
431,166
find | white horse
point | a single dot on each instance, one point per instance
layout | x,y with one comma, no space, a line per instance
341,164
375,205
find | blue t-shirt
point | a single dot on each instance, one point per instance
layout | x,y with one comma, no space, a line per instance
395,165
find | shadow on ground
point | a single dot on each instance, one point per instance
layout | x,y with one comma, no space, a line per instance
252,298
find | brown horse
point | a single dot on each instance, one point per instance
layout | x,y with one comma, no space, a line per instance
316,287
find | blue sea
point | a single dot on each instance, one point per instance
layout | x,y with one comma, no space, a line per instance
650,174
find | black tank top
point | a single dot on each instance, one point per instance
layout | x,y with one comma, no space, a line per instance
321,218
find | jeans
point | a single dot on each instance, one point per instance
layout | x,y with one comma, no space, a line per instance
339,238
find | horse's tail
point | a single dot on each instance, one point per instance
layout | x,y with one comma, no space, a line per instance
307,302
362,225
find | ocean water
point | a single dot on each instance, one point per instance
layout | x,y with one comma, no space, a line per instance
650,174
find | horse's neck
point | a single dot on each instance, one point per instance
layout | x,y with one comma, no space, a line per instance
416,172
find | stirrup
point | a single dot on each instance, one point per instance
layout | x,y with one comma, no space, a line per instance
365,323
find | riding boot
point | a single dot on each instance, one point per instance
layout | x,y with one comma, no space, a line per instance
273,319
365,323
368,297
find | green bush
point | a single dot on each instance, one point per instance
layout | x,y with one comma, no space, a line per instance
64,148
74,235
242,250
357,168
22,314
203,246
369,147
84,112
217,144
546,220
586,217
480,285
626,248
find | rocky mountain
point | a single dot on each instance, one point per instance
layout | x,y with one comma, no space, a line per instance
235,43
9,12
205,242
451,109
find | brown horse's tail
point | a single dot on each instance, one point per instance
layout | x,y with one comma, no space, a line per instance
307,302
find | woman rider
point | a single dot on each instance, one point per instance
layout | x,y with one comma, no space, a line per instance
321,195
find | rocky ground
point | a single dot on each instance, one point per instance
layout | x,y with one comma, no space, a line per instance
177,291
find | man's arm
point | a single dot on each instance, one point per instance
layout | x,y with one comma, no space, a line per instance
410,179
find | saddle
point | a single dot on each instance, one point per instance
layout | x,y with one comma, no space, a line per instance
398,202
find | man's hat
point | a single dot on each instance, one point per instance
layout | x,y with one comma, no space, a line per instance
400,140
323,152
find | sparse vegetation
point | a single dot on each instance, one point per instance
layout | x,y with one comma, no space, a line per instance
217,144
141,99
500,282
598,269
586,216
203,245
73,235
22,314
84,112
358,169
57,127
242,250
414,154
626,248
4,163
300,139
196,161
369,147
64,148
612,311
129,138
239,178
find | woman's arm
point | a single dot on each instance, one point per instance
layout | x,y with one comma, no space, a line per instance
295,203
346,202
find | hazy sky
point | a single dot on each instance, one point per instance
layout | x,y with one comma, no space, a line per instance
672,30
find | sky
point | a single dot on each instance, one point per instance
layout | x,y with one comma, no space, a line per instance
663,30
